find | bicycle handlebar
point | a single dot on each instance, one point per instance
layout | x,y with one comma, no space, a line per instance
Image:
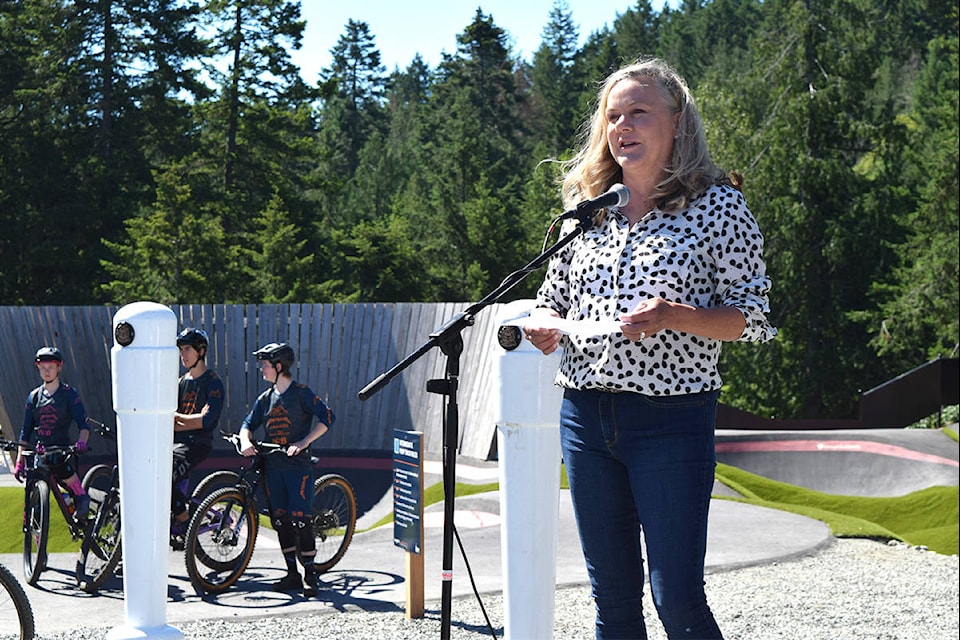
10,445
103,430
264,448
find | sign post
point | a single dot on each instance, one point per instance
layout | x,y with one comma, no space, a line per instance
408,512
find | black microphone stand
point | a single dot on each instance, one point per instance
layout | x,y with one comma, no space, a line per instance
448,337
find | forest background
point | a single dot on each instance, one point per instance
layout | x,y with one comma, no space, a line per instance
169,150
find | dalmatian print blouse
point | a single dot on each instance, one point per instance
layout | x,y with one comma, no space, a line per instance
709,255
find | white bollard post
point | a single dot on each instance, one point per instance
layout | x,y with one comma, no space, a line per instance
528,448
145,365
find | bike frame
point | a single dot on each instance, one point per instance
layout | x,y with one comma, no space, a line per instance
37,470
248,483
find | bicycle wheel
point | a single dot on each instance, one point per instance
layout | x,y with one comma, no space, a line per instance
36,528
96,482
206,486
16,616
334,509
101,548
212,482
220,540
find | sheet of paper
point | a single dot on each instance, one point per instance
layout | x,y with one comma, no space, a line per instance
584,328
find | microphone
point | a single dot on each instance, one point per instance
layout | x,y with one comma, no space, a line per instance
617,196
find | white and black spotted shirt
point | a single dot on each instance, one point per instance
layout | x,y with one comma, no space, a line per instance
709,255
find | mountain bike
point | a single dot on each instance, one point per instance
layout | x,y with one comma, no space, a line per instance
101,551
223,531
39,483
16,616
181,477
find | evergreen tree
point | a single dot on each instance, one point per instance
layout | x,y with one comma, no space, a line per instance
67,178
918,313
353,115
252,37
680,40
353,106
174,252
799,125
599,57
280,269
554,113
474,151
378,263
165,79
638,31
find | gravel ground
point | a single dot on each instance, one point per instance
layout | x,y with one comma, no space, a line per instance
852,590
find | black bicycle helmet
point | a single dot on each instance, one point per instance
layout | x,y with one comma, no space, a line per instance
196,338
48,354
276,352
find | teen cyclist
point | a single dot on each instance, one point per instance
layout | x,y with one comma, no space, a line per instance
199,403
47,415
286,411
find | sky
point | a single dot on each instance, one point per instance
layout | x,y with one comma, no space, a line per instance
403,28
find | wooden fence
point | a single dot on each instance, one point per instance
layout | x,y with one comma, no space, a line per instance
341,348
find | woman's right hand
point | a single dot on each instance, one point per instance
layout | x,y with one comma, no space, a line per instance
543,338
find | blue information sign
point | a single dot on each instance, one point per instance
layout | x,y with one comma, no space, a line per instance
407,493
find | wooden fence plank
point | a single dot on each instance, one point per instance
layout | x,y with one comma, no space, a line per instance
394,406
234,368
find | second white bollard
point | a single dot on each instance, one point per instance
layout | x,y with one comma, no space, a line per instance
528,449
145,366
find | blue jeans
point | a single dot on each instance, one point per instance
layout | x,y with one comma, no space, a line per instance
645,464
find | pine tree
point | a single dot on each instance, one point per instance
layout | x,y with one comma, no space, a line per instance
555,83
174,252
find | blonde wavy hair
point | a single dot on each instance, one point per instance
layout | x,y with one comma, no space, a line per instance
690,171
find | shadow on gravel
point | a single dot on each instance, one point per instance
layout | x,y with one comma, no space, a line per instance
357,588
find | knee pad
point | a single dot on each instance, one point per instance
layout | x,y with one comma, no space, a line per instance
286,533
305,537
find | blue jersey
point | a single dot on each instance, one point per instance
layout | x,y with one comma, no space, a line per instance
287,418
193,395
47,418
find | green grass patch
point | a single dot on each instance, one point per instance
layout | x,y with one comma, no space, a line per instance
930,517
951,433
11,525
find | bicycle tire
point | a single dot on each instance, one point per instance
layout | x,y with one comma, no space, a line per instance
96,482
220,540
102,548
213,482
16,615
209,484
35,532
334,508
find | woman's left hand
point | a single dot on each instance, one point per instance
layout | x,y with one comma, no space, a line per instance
647,318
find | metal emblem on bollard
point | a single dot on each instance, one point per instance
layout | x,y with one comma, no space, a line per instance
509,337
124,334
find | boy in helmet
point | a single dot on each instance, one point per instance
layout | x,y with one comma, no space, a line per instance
47,415
286,411
199,403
